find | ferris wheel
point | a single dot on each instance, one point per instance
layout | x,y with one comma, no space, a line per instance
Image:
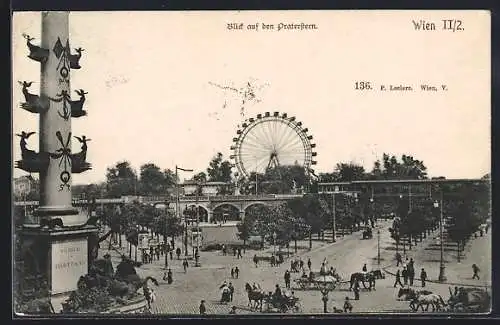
269,141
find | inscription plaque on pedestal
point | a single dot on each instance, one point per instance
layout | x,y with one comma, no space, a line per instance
69,262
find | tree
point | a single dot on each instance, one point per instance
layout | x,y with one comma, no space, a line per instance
152,181
312,209
391,168
200,177
463,219
245,228
348,172
121,180
219,170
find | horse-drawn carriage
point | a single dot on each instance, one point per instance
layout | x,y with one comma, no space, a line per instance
318,282
469,300
368,233
282,304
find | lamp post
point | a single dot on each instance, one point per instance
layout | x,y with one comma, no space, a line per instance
334,228
372,207
404,243
165,245
177,168
378,246
198,234
324,292
437,204
274,242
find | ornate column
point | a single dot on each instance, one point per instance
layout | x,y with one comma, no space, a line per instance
55,123
66,238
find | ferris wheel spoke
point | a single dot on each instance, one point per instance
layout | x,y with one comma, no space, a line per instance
253,156
291,144
265,134
252,159
281,131
268,132
259,140
262,135
284,132
254,142
261,166
290,135
275,131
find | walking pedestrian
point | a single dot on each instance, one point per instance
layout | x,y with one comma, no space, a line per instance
404,273
347,305
203,309
233,310
475,269
178,253
171,253
398,279
423,277
287,279
232,273
255,260
365,269
224,251
301,263
231,291
309,263
239,253
399,259
411,271
236,272
356,290
172,244
234,251
170,278
185,265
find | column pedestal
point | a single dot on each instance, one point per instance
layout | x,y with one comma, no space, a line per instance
63,256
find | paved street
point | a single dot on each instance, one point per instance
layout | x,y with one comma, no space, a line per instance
347,255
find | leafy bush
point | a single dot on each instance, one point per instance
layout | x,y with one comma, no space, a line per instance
95,299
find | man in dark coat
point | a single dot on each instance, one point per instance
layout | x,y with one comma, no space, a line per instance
404,273
423,277
411,271
236,272
287,279
475,269
398,279
203,309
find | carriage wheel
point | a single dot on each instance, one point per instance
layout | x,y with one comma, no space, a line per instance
302,285
297,308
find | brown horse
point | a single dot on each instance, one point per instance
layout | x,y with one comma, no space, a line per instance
363,278
256,296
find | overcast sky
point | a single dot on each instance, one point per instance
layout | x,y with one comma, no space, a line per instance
150,99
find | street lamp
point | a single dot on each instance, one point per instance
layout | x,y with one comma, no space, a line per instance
177,205
334,216
378,246
442,276
274,241
198,234
324,292
165,245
